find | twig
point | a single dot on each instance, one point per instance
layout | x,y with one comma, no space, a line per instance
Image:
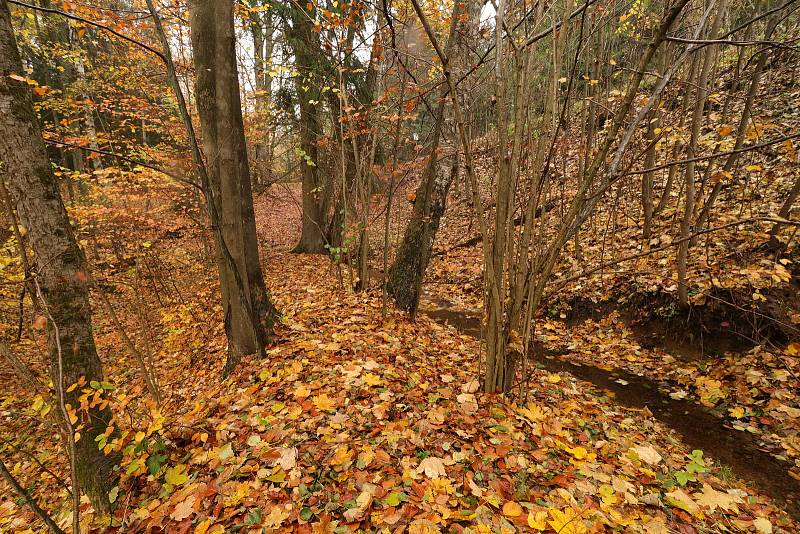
715,155
671,244
41,465
91,23
70,438
124,158
38,510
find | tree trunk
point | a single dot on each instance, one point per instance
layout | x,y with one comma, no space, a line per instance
262,30
701,92
744,122
647,180
60,265
305,45
249,312
413,254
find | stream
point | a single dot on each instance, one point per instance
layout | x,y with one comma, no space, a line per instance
698,427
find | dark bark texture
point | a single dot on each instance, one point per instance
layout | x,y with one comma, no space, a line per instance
414,253
60,264
304,42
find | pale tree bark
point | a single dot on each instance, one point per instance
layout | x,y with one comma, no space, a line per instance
249,312
701,94
744,122
59,264
262,29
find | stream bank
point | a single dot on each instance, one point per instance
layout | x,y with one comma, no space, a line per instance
697,426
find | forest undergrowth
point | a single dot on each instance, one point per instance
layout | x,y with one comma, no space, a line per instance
352,419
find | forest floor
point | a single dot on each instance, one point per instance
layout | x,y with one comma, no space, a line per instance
355,420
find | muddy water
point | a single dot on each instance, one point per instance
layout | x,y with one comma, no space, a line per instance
698,428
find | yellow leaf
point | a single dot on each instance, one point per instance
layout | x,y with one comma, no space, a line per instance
606,493
579,452
554,378
679,499
176,475
737,412
713,499
371,379
512,509
324,403
763,525
538,520
532,412
342,455
202,527
301,392
568,522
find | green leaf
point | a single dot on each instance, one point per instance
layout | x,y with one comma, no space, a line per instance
683,477
278,477
394,499
154,463
306,514
253,518
134,465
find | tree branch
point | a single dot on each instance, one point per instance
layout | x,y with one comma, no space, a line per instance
126,158
54,528
91,23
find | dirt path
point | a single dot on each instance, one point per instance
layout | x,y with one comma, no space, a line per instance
698,428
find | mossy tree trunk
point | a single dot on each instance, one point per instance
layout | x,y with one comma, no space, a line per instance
60,266
408,270
305,45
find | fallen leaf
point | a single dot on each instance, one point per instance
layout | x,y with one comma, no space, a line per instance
324,403
432,467
763,525
512,509
537,520
176,475
184,509
647,454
